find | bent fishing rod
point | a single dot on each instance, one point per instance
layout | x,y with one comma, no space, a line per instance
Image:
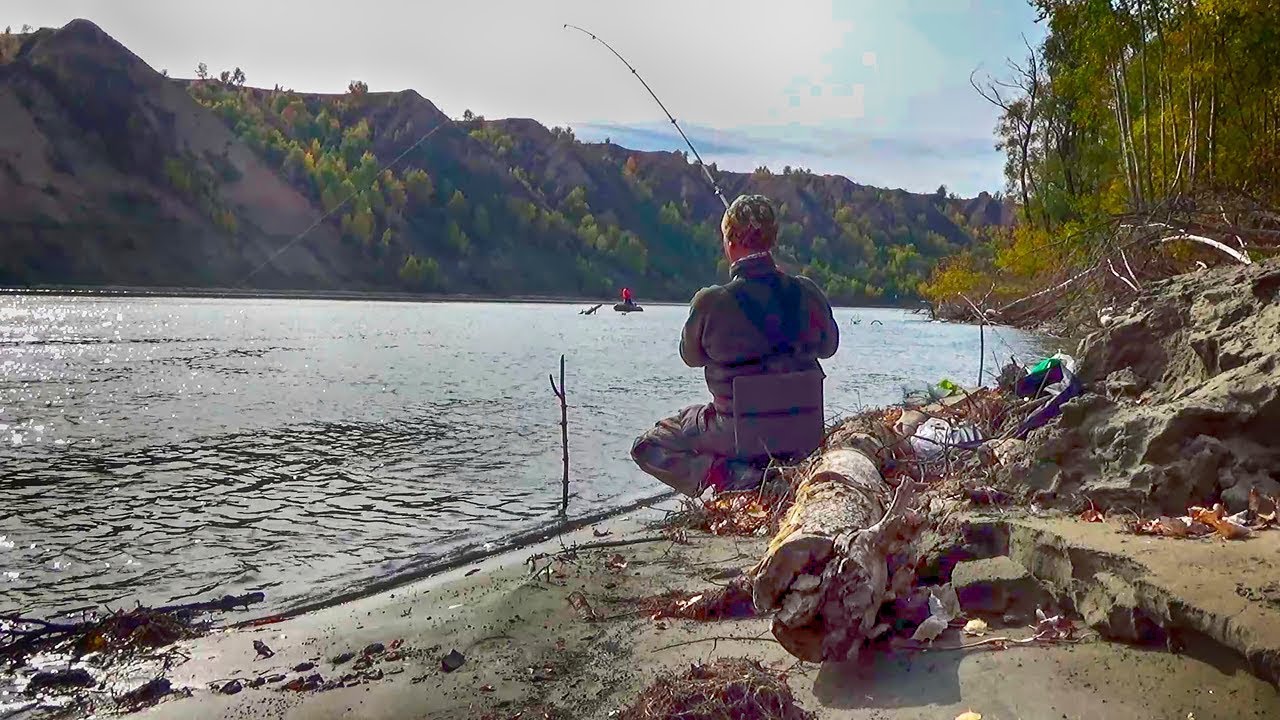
705,170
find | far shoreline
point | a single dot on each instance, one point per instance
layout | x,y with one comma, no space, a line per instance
348,295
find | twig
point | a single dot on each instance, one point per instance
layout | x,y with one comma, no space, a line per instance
730,638
991,641
615,543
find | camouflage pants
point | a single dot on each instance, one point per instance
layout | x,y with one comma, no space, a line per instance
682,450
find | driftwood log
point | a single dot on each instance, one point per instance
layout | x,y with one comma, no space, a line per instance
838,555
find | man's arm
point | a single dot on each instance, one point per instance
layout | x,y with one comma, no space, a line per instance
822,319
691,350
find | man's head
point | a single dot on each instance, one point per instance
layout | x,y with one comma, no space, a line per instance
749,226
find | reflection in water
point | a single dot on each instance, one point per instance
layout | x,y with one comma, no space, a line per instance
161,449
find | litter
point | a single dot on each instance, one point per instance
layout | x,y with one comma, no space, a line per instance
935,435
944,607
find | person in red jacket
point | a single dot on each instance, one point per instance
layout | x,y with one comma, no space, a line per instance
626,296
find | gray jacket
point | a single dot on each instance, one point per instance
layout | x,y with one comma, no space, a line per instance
720,336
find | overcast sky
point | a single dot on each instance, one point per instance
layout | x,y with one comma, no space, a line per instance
876,90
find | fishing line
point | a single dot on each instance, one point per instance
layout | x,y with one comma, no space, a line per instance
705,170
345,200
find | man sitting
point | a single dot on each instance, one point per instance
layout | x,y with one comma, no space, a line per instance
762,321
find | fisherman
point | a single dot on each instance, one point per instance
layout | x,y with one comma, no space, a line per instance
692,450
626,297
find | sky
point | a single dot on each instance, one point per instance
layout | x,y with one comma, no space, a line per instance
876,90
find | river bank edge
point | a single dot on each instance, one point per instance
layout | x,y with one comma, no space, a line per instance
357,296
559,630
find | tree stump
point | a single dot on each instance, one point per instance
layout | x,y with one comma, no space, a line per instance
828,571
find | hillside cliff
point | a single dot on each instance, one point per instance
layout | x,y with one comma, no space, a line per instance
111,172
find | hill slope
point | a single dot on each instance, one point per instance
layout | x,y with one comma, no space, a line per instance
112,173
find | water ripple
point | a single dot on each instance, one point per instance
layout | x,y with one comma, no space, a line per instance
156,450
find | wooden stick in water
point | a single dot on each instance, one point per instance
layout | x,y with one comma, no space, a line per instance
564,436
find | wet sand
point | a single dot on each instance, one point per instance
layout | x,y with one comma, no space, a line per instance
526,646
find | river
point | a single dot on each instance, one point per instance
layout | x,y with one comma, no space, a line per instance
166,449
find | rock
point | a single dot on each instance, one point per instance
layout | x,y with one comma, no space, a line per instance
343,658
59,680
1236,496
304,666
994,586
148,693
231,688
452,661
1001,452
275,678
374,649
1124,383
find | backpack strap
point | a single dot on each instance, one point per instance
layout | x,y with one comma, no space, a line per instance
782,305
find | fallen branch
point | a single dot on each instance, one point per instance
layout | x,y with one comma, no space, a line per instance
827,571
1211,243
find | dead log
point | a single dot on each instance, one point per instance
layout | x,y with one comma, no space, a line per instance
836,558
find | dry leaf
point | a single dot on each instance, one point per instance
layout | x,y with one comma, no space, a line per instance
1173,527
617,562
1224,526
975,627
579,603
970,715
1263,507
1092,514
689,603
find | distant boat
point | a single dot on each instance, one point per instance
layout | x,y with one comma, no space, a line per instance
628,308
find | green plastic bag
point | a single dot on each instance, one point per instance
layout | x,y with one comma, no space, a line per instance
1044,365
949,386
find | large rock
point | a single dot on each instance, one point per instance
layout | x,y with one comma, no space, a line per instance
1183,393
996,586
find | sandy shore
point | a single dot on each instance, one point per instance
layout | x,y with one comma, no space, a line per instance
529,653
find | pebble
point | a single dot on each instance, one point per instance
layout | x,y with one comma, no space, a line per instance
452,661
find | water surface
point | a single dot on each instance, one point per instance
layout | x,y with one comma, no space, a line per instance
161,449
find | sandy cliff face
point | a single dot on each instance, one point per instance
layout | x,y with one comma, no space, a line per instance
110,172
1183,404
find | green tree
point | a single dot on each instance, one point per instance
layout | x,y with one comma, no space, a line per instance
575,203
457,238
481,223
457,205
419,274
419,186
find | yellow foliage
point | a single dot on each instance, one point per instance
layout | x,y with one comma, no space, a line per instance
1029,253
958,275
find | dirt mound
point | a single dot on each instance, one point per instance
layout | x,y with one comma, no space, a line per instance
1181,403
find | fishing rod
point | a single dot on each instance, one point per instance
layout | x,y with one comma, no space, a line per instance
705,170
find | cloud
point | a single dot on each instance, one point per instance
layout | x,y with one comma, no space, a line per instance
709,141
915,163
